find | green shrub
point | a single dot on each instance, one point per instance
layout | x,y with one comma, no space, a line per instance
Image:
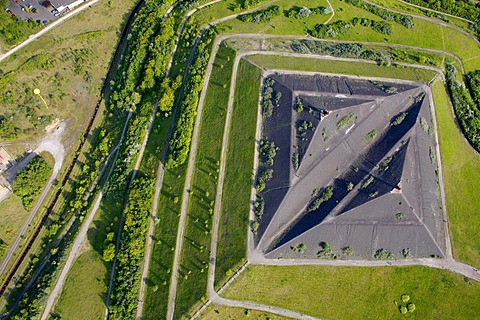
343,122
399,119
371,135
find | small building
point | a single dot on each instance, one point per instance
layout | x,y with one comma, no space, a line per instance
62,5
6,160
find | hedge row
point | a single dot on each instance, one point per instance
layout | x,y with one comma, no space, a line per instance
179,145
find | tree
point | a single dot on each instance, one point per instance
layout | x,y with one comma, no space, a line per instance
109,252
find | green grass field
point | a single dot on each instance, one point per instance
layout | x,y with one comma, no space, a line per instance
214,312
13,215
462,180
193,274
340,67
424,35
85,282
359,293
232,236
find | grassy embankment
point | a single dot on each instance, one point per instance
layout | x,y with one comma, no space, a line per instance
424,35
341,67
193,274
359,293
462,180
232,234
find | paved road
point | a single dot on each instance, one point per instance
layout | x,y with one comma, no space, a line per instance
82,235
46,29
51,143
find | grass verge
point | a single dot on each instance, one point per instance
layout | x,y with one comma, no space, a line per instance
341,67
193,272
232,237
461,179
359,293
214,312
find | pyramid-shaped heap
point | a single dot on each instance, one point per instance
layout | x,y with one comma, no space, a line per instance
347,166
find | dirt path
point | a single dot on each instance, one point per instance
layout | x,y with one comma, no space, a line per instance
46,29
221,173
82,235
51,144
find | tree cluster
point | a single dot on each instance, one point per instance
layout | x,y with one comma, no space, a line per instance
324,196
30,180
404,20
131,250
461,8
263,15
343,50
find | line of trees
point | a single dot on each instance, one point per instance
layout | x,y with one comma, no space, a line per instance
337,28
467,112
132,249
263,15
461,8
179,145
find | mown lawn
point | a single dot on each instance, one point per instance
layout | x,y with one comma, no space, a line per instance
341,67
462,181
193,272
359,293
214,312
232,236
